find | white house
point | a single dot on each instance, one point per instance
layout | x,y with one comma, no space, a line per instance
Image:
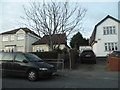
20,39
106,36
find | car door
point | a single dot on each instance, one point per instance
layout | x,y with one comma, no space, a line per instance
1,54
7,63
20,67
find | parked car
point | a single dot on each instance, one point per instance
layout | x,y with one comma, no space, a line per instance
88,56
25,64
115,54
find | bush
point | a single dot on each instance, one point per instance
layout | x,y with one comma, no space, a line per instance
46,55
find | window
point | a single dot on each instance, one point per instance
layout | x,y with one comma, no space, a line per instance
39,49
109,30
12,38
20,36
111,46
116,48
32,57
20,57
106,47
8,56
5,38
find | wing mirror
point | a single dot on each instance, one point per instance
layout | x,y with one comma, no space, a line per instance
25,61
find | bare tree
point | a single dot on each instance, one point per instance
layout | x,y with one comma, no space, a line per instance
49,18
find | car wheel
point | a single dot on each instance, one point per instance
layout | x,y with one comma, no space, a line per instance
32,75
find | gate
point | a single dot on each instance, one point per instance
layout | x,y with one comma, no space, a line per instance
58,63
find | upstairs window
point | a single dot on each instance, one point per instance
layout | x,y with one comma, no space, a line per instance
109,30
11,37
5,38
20,36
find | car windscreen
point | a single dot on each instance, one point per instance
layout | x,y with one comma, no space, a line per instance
116,53
33,57
87,52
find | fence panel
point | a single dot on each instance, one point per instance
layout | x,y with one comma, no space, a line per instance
58,63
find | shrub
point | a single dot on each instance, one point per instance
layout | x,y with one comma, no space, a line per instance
46,55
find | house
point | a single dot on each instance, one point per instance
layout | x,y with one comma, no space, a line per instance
42,45
20,39
81,48
106,36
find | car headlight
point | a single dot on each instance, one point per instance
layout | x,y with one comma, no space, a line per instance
43,69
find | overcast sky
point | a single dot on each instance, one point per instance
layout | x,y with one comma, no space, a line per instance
11,10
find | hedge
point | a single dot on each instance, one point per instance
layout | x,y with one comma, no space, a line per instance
46,55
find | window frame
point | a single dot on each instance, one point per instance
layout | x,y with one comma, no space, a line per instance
109,30
19,35
5,55
111,46
11,37
3,38
19,60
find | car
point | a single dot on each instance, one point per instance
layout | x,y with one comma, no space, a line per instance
116,54
88,56
25,64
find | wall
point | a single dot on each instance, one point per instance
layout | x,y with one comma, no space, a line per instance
44,47
30,39
98,48
21,43
119,36
25,44
0,42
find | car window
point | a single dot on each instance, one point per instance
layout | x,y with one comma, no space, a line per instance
8,56
87,52
1,55
116,53
20,57
33,57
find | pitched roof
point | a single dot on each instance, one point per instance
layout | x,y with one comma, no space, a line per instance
56,38
92,38
15,30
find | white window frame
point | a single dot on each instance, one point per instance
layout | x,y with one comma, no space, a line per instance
20,36
5,38
109,30
111,46
12,37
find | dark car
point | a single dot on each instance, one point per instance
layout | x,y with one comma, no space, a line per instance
88,56
25,64
116,54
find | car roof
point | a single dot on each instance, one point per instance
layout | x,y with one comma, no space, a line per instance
88,50
117,51
11,52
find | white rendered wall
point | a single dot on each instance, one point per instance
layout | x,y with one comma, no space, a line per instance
99,48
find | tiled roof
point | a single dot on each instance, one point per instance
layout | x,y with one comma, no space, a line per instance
15,30
92,38
56,38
